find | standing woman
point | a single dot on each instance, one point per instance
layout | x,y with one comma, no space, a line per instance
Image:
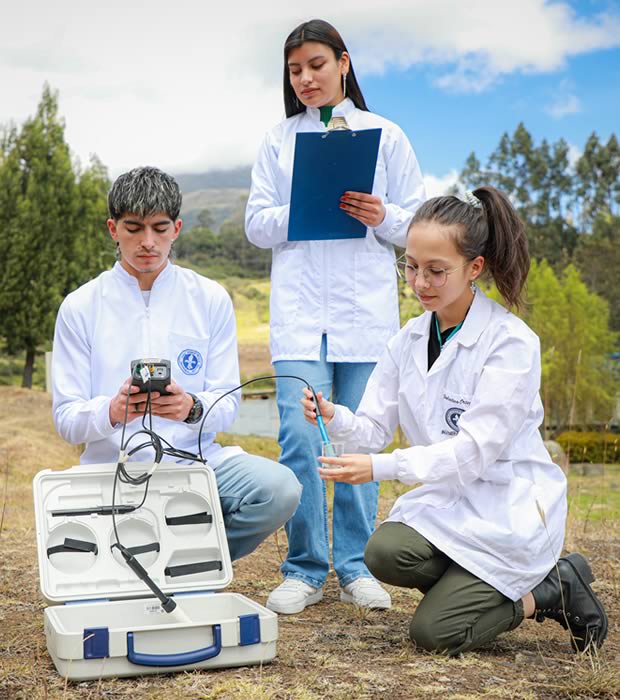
334,305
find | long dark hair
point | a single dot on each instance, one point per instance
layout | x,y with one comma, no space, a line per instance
490,227
322,32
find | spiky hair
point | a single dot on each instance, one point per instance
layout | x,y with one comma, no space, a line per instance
144,191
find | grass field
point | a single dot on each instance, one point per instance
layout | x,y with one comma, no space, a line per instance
332,650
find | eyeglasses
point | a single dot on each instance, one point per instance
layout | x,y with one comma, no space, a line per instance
435,276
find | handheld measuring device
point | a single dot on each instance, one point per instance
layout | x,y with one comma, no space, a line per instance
151,373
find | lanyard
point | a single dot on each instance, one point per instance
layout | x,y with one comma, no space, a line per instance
442,343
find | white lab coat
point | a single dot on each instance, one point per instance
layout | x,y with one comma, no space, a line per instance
343,288
473,423
106,323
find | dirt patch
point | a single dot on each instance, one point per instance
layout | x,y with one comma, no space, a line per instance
332,650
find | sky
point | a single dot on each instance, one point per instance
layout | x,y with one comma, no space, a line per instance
192,86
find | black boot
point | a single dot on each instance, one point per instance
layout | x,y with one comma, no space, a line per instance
574,605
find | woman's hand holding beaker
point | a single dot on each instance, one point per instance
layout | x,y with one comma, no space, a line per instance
349,468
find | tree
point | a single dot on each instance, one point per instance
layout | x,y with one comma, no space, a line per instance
205,219
540,180
471,175
48,215
93,248
598,259
572,323
598,179
227,252
500,171
522,166
550,321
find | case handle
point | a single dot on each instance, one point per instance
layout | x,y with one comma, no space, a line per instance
187,657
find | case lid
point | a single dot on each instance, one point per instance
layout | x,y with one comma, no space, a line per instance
177,535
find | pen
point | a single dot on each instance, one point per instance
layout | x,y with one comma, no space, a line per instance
95,510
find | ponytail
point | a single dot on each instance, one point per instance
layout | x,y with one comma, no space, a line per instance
506,252
487,225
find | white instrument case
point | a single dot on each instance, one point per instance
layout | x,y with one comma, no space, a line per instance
103,620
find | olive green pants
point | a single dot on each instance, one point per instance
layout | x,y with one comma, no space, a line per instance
459,612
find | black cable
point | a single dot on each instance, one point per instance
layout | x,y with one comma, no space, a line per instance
162,447
120,473
256,379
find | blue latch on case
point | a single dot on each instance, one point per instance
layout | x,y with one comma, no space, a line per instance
249,630
96,642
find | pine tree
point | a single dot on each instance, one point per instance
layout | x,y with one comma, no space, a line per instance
93,248
598,260
47,216
471,175
500,170
522,164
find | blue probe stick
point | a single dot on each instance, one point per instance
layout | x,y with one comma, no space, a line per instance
323,431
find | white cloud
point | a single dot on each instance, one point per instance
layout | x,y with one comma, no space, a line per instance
192,85
473,44
563,105
436,186
564,101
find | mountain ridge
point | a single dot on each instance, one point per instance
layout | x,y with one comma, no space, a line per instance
222,192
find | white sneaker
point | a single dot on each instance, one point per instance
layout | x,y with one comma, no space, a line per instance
367,593
292,596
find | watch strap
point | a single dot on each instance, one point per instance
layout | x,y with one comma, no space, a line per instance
195,412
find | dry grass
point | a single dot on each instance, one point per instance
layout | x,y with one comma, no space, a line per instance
331,650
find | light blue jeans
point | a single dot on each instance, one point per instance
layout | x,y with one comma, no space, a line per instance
258,496
355,507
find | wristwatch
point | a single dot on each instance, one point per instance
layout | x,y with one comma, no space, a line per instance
195,412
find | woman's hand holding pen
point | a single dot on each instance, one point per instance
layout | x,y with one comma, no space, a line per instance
327,407
367,208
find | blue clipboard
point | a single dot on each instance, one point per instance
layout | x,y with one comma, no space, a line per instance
326,165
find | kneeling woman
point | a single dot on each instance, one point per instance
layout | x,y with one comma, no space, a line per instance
482,536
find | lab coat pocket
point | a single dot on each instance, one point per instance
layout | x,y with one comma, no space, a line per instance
188,359
375,294
286,278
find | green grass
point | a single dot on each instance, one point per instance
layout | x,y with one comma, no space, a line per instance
595,497
263,446
251,300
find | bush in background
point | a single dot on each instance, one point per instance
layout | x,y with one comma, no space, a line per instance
590,447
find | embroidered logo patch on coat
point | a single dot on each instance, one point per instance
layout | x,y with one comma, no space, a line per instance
190,361
452,417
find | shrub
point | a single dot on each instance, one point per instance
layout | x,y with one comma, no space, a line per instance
590,447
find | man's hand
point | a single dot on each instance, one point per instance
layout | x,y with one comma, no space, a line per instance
327,407
351,469
367,208
176,406
137,402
